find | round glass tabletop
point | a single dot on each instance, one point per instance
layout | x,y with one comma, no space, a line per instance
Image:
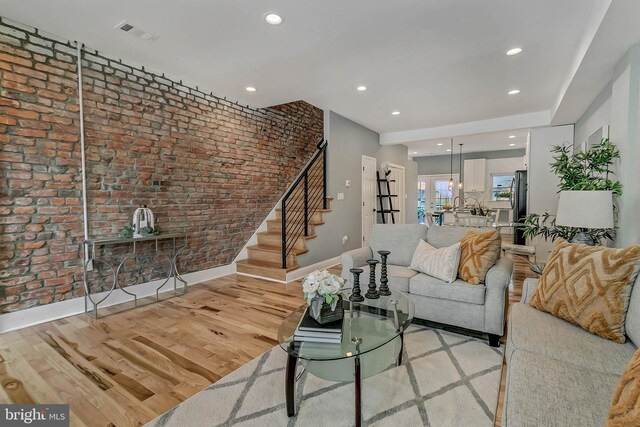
366,326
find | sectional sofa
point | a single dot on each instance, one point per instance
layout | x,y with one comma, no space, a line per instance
558,374
476,307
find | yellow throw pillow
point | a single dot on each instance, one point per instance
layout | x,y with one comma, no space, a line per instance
625,407
478,253
589,286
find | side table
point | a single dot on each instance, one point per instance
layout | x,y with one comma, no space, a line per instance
91,249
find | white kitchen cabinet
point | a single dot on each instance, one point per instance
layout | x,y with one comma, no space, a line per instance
474,175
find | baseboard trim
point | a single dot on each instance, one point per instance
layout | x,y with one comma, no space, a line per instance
301,272
58,310
268,279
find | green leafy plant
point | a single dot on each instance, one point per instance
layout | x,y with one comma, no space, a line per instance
128,231
585,170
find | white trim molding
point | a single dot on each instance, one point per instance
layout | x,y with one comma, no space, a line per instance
519,121
301,272
48,312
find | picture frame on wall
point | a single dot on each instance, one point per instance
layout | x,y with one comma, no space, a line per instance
597,136
594,138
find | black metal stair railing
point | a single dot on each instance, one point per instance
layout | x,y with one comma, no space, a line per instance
307,194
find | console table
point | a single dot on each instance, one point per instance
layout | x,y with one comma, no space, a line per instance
92,246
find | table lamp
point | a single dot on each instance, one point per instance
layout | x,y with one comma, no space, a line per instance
585,209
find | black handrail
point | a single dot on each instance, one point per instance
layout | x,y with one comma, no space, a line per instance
305,205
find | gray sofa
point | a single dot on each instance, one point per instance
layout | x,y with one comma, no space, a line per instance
476,307
558,374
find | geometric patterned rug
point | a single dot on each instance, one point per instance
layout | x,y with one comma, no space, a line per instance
446,379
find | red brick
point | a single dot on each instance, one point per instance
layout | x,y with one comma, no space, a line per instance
7,121
14,59
26,114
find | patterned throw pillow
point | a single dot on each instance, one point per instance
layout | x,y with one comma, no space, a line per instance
440,263
479,252
625,407
589,286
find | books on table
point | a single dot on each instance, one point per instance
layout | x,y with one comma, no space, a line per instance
309,330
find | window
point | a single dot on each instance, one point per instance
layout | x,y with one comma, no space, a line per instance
501,187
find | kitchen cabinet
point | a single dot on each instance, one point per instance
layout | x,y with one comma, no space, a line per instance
474,175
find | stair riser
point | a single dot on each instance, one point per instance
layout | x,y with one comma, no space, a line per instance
315,217
270,256
276,240
275,226
267,273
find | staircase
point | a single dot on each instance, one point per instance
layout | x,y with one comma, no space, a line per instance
296,220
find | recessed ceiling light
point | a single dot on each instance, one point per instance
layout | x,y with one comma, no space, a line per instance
361,88
415,152
514,92
250,89
439,144
273,19
512,145
511,136
448,149
514,51
395,113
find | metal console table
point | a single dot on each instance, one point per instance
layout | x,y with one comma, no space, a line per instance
91,245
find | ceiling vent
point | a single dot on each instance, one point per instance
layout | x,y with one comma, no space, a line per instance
136,31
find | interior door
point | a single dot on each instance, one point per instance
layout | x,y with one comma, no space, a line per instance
434,193
368,197
397,186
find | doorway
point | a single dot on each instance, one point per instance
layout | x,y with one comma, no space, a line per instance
434,194
369,165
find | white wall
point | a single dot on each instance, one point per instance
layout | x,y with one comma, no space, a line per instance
542,193
618,106
625,133
596,116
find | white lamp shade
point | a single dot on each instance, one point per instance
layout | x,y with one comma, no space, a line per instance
585,209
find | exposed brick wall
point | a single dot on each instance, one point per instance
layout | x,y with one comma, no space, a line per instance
203,164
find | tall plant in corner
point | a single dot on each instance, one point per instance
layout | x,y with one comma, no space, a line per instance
585,170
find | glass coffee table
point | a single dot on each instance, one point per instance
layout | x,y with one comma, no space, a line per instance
372,341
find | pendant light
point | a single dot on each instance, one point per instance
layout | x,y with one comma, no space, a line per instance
451,168
460,181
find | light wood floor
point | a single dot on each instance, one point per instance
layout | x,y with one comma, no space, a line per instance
126,368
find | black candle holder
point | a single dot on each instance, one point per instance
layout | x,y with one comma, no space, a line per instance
372,293
355,292
384,280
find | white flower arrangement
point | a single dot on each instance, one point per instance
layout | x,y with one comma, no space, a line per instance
322,286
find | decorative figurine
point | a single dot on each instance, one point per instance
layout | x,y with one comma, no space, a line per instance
372,293
355,293
143,222
384,288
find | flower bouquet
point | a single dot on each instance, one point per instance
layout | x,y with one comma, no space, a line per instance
323,292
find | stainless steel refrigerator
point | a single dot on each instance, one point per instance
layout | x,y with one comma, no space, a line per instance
519,204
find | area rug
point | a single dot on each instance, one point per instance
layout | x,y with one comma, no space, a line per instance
445,380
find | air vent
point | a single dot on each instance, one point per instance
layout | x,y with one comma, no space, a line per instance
136,31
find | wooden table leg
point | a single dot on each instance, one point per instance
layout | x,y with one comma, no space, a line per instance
290,384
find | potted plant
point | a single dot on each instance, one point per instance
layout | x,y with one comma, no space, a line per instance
585,170
323,292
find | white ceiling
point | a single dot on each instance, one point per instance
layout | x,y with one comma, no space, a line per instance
490,141
441,63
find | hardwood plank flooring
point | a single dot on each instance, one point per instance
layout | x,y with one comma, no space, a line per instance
128,367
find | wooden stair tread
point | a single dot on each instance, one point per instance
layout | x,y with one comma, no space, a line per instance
269,248
264,233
